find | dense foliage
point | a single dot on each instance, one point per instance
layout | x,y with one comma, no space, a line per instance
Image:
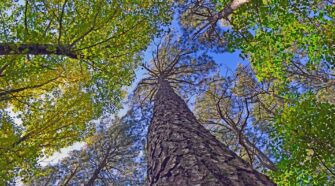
305,143
272,33
62,64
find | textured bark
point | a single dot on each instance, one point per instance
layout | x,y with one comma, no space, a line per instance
37,49
182,152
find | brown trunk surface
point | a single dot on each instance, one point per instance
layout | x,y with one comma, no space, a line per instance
182,152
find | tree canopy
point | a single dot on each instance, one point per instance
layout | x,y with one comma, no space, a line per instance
289,45
62,64
109,156
269,33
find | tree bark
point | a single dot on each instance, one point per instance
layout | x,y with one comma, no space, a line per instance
182,152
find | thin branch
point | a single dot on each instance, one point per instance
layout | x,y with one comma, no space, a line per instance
25,88
73,173
61,22
3,68
149,70
323,163
109,38
87,32
26,18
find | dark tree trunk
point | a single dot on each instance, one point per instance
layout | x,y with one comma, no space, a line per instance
182,152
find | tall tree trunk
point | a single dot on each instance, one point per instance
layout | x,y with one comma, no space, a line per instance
182,152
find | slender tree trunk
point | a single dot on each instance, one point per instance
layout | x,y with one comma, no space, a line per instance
98,169
71,176
264,159
96,173
182,152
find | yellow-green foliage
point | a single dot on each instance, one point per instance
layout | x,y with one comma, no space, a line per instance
272,33
47,100
306,143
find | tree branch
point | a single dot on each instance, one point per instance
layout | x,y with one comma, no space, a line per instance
37,49
61,22
26,19
5,92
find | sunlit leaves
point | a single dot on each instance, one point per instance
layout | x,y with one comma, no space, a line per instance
271,33
62,64
307,143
